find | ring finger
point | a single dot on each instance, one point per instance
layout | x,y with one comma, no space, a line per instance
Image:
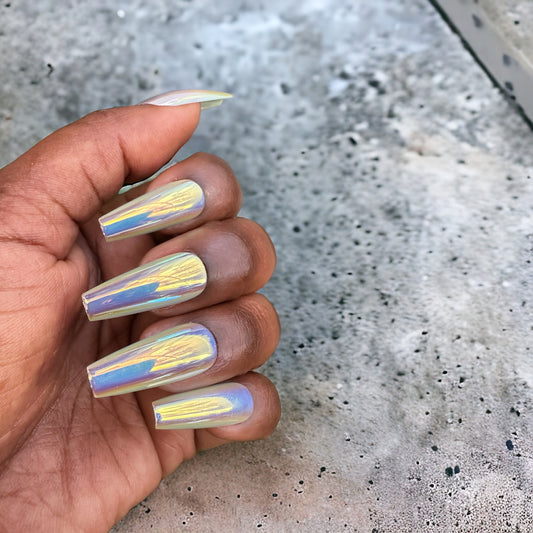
193,350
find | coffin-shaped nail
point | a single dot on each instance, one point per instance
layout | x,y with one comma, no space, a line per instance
208,99
172,355
163,282
173,203
219,405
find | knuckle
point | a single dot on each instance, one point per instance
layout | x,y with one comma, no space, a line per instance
272,408
98,117
220,179
260,323
217,170
212,164
261,249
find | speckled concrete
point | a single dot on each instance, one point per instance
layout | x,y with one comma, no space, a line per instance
395,181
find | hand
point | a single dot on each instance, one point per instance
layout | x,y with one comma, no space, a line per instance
71,462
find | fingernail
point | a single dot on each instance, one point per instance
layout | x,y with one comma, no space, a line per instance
172,355
163,282
175,202
208,99
219,405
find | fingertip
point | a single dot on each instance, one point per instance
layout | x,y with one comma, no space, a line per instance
261,423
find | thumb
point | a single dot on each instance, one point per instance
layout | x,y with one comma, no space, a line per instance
64,179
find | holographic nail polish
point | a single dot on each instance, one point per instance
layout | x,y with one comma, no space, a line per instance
219,405
172,355
207,99
175,202
167,281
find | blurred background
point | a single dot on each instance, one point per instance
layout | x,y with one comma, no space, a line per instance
395,181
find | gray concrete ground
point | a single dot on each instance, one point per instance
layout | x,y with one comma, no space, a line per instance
395,181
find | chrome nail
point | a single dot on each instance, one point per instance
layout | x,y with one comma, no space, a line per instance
175,202
208,99
219,405
161,283
172,355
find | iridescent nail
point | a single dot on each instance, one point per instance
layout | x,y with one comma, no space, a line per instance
172,355
208,99
163,282
220,405
175,202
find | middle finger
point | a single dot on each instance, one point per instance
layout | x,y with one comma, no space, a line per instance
217,262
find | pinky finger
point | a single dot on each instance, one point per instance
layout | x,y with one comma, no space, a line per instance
259,425
176,445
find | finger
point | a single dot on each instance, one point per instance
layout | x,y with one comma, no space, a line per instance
246,331
217,262
238,256
261,423
66,177
193,350
197,190
175,446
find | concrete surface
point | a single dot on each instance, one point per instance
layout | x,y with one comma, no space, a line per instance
396,183
498,32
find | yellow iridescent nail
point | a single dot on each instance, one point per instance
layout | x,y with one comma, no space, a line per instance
207,99
172,355
167,281
219,405
175,202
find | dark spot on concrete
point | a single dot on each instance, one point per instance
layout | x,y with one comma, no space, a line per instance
296,229
509,444
478,23
506,60
509,86
456,469
434,448
449,471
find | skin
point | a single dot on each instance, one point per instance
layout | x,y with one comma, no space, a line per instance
70,462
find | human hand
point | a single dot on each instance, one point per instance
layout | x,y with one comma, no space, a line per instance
71,462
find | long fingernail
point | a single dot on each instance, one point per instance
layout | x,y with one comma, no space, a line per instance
219,405
163,282
208,99
172,355
173,203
